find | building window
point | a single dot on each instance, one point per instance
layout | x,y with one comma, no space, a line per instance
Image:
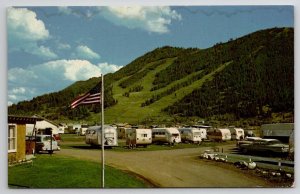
12,138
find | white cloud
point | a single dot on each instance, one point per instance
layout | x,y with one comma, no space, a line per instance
85,52
108,68
22,23
12,97
44,51
25,31
20,90
17,73
25,83
63,46
153,19
65,10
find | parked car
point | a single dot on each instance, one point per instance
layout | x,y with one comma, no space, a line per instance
43,143
247,140
266,146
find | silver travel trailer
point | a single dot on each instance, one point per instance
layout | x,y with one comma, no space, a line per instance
93,136
166,135
192,135
138,137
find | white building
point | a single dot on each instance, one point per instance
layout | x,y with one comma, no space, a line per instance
41,126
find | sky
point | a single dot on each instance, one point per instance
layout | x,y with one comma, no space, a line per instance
49,48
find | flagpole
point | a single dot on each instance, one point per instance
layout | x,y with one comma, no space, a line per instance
102,126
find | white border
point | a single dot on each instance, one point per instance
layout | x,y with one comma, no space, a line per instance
3,87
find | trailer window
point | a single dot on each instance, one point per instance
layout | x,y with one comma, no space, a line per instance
175,134
144,135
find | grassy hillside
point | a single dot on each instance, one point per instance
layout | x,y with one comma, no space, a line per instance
250,78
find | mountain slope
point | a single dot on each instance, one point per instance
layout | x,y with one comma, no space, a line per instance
249,77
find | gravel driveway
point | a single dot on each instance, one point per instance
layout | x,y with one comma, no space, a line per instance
173,168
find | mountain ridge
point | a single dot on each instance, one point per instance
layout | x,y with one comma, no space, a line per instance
163,86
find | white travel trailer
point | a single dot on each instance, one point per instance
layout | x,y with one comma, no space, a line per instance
138,137
93,136
192,135
237,133
83,129
203,130
219,134
166,135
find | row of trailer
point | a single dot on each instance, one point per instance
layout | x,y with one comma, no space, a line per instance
143,137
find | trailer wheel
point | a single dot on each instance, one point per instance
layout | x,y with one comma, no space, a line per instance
50,151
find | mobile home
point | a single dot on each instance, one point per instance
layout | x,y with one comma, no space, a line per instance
166,135
219,134
192,135
138,137
237,133
93,136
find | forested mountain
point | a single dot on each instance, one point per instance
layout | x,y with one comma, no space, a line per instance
250,77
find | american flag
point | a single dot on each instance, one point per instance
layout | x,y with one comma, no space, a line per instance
91,97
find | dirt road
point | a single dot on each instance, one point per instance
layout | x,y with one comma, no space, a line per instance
173,168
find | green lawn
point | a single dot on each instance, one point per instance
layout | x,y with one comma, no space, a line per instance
54,171
72,138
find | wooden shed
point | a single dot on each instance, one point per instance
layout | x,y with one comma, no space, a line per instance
17,137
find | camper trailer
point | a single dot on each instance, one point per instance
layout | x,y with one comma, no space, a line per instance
94,138
83,129
219,134
138,137
191,135
203,130
237,133
165,135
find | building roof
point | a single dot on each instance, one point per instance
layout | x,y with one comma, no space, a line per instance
23,119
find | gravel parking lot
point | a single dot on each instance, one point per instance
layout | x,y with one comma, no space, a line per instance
175,168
